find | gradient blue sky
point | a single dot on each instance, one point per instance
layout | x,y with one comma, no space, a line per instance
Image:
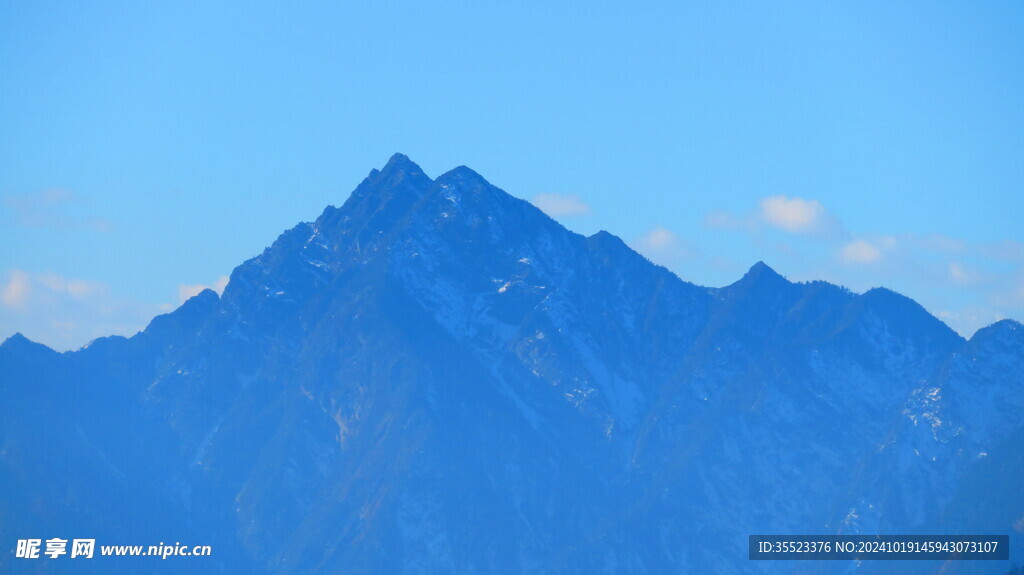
146,150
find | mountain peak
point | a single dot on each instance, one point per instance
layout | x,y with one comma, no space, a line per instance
606,237
400,179
399,173
16,339
1004,329
609,243
760,274
463,176
433,344
761,268
20,344
1008,326
189,315
400,163
905,316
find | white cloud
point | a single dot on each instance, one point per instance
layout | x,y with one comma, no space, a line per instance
1006,250
556,205
969,319
187,291
1010,294
66,313
940,271
15,293
860,252
963,275
658,239
940,243
662,246
54,209
721,220
22,288
792,214
75,288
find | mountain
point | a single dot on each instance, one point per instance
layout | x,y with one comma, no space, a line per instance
436,377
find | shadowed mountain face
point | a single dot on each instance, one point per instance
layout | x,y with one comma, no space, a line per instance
438,378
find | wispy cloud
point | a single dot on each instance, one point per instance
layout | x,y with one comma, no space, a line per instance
964,275
1009,293
556,205
66,313
16,291
54,209
23,289
722,220
969,319
1006,250
663,246
939,243
860,251
658,239
187,291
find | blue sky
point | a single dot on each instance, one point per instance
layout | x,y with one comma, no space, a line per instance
146,150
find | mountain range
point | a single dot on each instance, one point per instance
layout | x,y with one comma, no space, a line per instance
437,377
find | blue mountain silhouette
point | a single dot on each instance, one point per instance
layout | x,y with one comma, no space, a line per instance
437,377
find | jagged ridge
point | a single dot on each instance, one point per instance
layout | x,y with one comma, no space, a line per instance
436,376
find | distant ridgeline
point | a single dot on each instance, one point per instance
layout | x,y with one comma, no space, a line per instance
436,377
